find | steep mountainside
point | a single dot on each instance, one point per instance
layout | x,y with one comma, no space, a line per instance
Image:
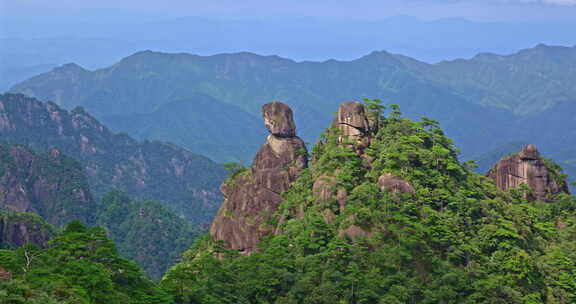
483,103
187,183
386,213
53,186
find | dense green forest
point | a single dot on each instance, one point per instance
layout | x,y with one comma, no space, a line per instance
145,231
52,186
81,266
449,235
455,238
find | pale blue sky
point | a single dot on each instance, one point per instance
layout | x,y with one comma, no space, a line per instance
486,10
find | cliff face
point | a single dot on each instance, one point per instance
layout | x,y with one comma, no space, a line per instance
51,185
528,168
251,198
149,170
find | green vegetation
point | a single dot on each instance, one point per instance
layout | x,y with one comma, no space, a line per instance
184,182
81,266
18,228
54,186
234,170
145,231
458,239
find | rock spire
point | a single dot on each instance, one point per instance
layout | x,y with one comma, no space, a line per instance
251,198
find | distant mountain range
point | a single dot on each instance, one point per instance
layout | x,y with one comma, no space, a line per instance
484,103
97,39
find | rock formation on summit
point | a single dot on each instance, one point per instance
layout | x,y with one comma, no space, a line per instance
352,121
252,197
527,167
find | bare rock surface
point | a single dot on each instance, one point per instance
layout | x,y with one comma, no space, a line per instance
528,168
251,198
352,121
5,275
278,119
394,184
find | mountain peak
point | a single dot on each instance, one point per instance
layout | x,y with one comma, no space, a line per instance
70,68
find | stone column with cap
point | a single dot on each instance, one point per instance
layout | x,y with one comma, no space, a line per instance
250,199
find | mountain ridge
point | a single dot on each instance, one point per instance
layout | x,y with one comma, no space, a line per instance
245,80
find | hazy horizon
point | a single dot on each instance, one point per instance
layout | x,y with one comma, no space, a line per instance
36,35
479,10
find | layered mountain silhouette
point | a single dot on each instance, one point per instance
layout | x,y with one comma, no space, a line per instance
484,103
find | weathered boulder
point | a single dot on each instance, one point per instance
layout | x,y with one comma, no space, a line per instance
278,119
5,275
528,168
323,187
394,184
251,198
352,121
353,232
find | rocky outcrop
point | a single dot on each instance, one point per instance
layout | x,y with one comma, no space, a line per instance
352,121
251,198
51,185
324,190
528,168
353,232
115,161
394,184
18,229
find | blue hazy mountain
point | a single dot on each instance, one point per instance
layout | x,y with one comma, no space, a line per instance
209,104
101,39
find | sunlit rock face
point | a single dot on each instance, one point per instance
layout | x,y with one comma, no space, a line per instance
251,198
528,168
